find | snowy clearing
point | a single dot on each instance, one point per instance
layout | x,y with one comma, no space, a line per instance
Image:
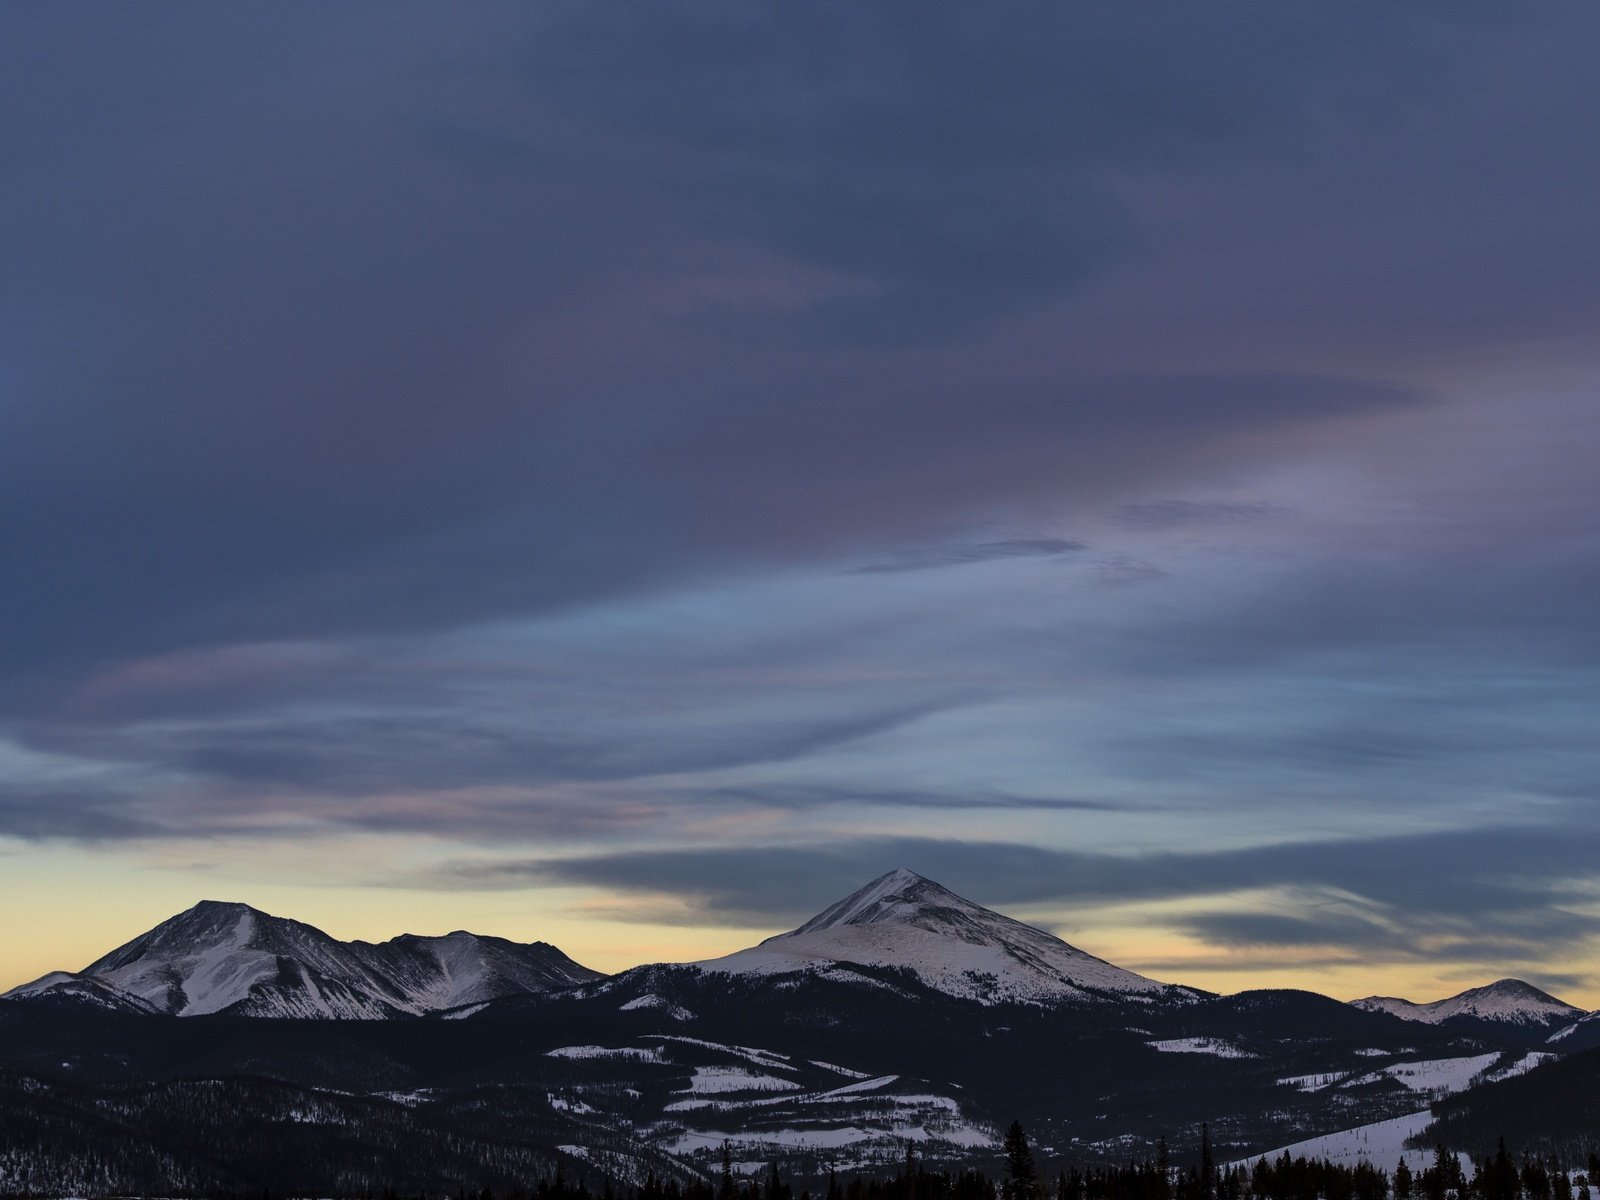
1200,1045
715,1080
638,1053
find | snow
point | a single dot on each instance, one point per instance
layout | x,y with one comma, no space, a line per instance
640,1054
409,1099
893,1136
1200,1045
838,1070
1522,1066
1507,1000
568,1104
762,1058
855,1089
649,1001
1381,1143
43,983
1435,1076
224,957
1567,1031
883,899
1311,1083
902,920
711,1080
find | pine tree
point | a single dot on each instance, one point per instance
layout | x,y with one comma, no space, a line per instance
1022,1182
1402,1181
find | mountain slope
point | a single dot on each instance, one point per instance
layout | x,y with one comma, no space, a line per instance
1552,1110
218,957
1582,1034
1504,1002
902,920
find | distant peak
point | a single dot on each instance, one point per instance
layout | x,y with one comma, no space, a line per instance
1519,986
1509,1000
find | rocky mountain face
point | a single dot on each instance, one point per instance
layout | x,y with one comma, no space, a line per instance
904,921
231,958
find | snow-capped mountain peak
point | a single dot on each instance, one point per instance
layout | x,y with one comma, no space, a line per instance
1505,1001
898,895
904,920
229,957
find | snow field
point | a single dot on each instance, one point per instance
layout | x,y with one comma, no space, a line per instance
1199,1045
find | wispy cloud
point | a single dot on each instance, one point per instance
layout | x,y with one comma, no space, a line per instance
1176,514
1355,896
933,558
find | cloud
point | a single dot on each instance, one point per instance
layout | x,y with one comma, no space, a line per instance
1175,514
808,796
391,406
1503,901
73,814
381,753
977,552
464,425
1126,571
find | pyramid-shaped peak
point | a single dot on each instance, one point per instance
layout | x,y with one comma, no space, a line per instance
900,894
208,920
222,908
907,922
1509,987
1507,995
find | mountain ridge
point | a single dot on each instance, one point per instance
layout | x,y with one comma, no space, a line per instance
229,957
1505,1001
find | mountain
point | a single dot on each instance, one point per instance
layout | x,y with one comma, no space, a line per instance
1552,1110
905,922
1506,1002
219,957
902,1012
1582,1034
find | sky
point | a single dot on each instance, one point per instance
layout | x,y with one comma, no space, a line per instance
628,474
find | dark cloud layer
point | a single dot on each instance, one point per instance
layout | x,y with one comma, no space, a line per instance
976,552
1497,869
567,422
1502,902
280,364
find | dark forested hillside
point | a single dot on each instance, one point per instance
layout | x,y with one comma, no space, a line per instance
223,1137
1552,1111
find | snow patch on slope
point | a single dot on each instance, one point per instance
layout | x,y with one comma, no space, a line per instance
638,1053
1382,1143
1435,1076
1200,1045
649,1002
716,1080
